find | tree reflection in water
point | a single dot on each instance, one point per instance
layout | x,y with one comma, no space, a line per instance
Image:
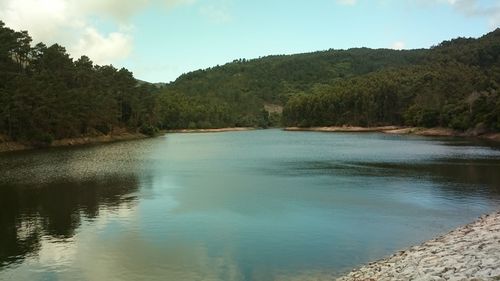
55,210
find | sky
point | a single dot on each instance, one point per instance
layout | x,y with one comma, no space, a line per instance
158,40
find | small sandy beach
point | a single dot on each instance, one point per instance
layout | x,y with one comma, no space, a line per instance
397,130
344,129
220,130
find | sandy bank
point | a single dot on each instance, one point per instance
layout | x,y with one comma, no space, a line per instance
442,132
220,130
493,137
383,129
471,252
344,129
429,132
98,139
16,146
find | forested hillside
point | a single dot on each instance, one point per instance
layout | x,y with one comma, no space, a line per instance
46,95
456,86
235,94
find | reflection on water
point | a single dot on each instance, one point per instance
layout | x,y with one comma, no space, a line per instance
55,210
459,176
263,205
45,195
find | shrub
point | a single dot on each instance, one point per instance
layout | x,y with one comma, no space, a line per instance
42,139
148,130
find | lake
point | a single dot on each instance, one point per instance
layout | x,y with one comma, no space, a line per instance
256,205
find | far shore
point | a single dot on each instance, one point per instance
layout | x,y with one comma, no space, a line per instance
431,132
343,129
218,130
6,146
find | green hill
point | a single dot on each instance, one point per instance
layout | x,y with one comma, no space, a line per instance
456,86
239,90
453,84
45,94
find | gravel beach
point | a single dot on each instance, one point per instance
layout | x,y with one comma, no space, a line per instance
471,252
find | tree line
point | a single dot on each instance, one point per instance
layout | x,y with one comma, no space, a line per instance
46,95
245,87
456,85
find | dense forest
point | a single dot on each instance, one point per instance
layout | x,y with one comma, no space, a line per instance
46,95
455,85
242,89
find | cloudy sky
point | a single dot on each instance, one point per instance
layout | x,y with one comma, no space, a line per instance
160,39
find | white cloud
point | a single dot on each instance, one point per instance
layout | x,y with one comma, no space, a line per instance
398,45
347,2
42,18
174,3
216,13
71,23
67,22
117,9
104,49
475,8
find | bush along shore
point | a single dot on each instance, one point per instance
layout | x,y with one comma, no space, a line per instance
119,134
471,252
218,130
7,145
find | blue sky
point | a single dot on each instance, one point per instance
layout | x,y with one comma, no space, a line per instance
160,39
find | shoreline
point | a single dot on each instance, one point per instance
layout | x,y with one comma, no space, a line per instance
11,146
343,129
398,130
218,130
470,252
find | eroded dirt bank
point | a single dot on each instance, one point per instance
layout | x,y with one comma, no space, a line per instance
7,145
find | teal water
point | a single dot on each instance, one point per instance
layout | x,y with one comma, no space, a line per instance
259,205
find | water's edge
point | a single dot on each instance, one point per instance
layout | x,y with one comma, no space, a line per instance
398,130
10,146
470,251
256,205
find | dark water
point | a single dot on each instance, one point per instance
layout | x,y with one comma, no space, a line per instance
262,205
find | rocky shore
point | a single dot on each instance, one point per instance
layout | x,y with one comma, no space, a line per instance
471,252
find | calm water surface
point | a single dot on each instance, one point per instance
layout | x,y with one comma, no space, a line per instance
261,205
